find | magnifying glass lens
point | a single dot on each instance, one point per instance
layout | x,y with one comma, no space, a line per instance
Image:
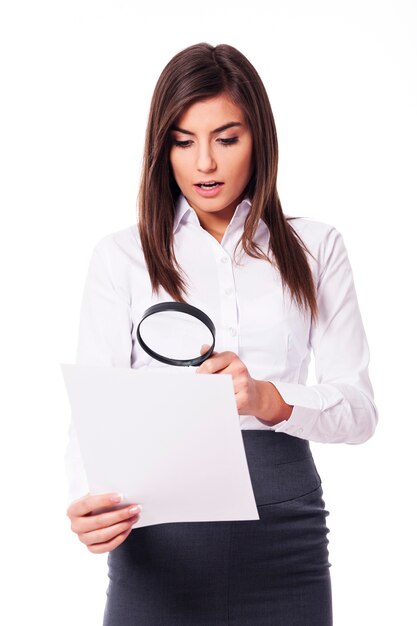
174,334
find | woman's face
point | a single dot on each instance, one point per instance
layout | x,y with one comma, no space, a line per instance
202,151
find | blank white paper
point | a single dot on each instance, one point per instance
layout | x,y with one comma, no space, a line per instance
168,439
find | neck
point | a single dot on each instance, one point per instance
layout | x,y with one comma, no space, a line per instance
216,223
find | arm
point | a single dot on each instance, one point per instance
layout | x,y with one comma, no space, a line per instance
104,338
340,408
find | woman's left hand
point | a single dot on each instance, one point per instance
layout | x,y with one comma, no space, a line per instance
253,397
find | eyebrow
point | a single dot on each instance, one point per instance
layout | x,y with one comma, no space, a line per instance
216,130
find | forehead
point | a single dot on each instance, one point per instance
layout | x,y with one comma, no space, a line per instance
204,113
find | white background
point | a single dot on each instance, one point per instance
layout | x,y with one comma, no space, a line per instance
76,80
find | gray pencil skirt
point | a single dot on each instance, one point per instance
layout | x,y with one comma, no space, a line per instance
274,571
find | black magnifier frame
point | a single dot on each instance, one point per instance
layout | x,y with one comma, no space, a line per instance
182,307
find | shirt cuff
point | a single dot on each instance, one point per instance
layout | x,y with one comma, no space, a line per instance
308,403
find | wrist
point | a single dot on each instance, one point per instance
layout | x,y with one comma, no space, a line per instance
272,407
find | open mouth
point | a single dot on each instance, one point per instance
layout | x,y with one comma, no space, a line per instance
208,185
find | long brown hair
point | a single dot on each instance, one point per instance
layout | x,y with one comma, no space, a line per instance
199,72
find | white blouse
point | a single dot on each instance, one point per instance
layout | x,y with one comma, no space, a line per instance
253,317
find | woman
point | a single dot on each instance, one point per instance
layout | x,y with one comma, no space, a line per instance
208,189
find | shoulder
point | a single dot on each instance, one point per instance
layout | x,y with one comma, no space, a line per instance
320,238
118,257
119,243
311,230
315,234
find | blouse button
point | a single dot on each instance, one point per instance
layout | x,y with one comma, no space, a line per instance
232,331
228,291
224,259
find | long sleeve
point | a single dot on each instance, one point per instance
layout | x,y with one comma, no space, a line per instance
104,338
340,408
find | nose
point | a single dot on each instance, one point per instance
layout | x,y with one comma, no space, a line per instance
205,159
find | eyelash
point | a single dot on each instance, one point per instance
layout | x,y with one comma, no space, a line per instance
224,142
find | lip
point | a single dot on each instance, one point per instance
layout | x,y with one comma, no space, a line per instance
206,182
208,193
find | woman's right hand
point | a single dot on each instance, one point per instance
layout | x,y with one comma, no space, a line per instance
101,532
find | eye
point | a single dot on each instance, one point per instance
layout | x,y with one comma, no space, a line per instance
224,142
181,144
229,142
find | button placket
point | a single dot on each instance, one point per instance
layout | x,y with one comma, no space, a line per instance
228,305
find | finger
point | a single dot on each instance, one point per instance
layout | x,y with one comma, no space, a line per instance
104,535
218,362
88,523
204,349
87,504
99,548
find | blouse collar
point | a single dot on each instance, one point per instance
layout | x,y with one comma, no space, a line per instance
184,212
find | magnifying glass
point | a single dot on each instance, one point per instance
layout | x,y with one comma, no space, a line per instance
173,333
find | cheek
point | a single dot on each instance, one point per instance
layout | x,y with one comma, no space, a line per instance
244,165
179,164
243,161
176,169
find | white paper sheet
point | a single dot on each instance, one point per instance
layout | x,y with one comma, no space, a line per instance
168,439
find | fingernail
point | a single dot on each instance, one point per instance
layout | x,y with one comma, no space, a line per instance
135,509
116,497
